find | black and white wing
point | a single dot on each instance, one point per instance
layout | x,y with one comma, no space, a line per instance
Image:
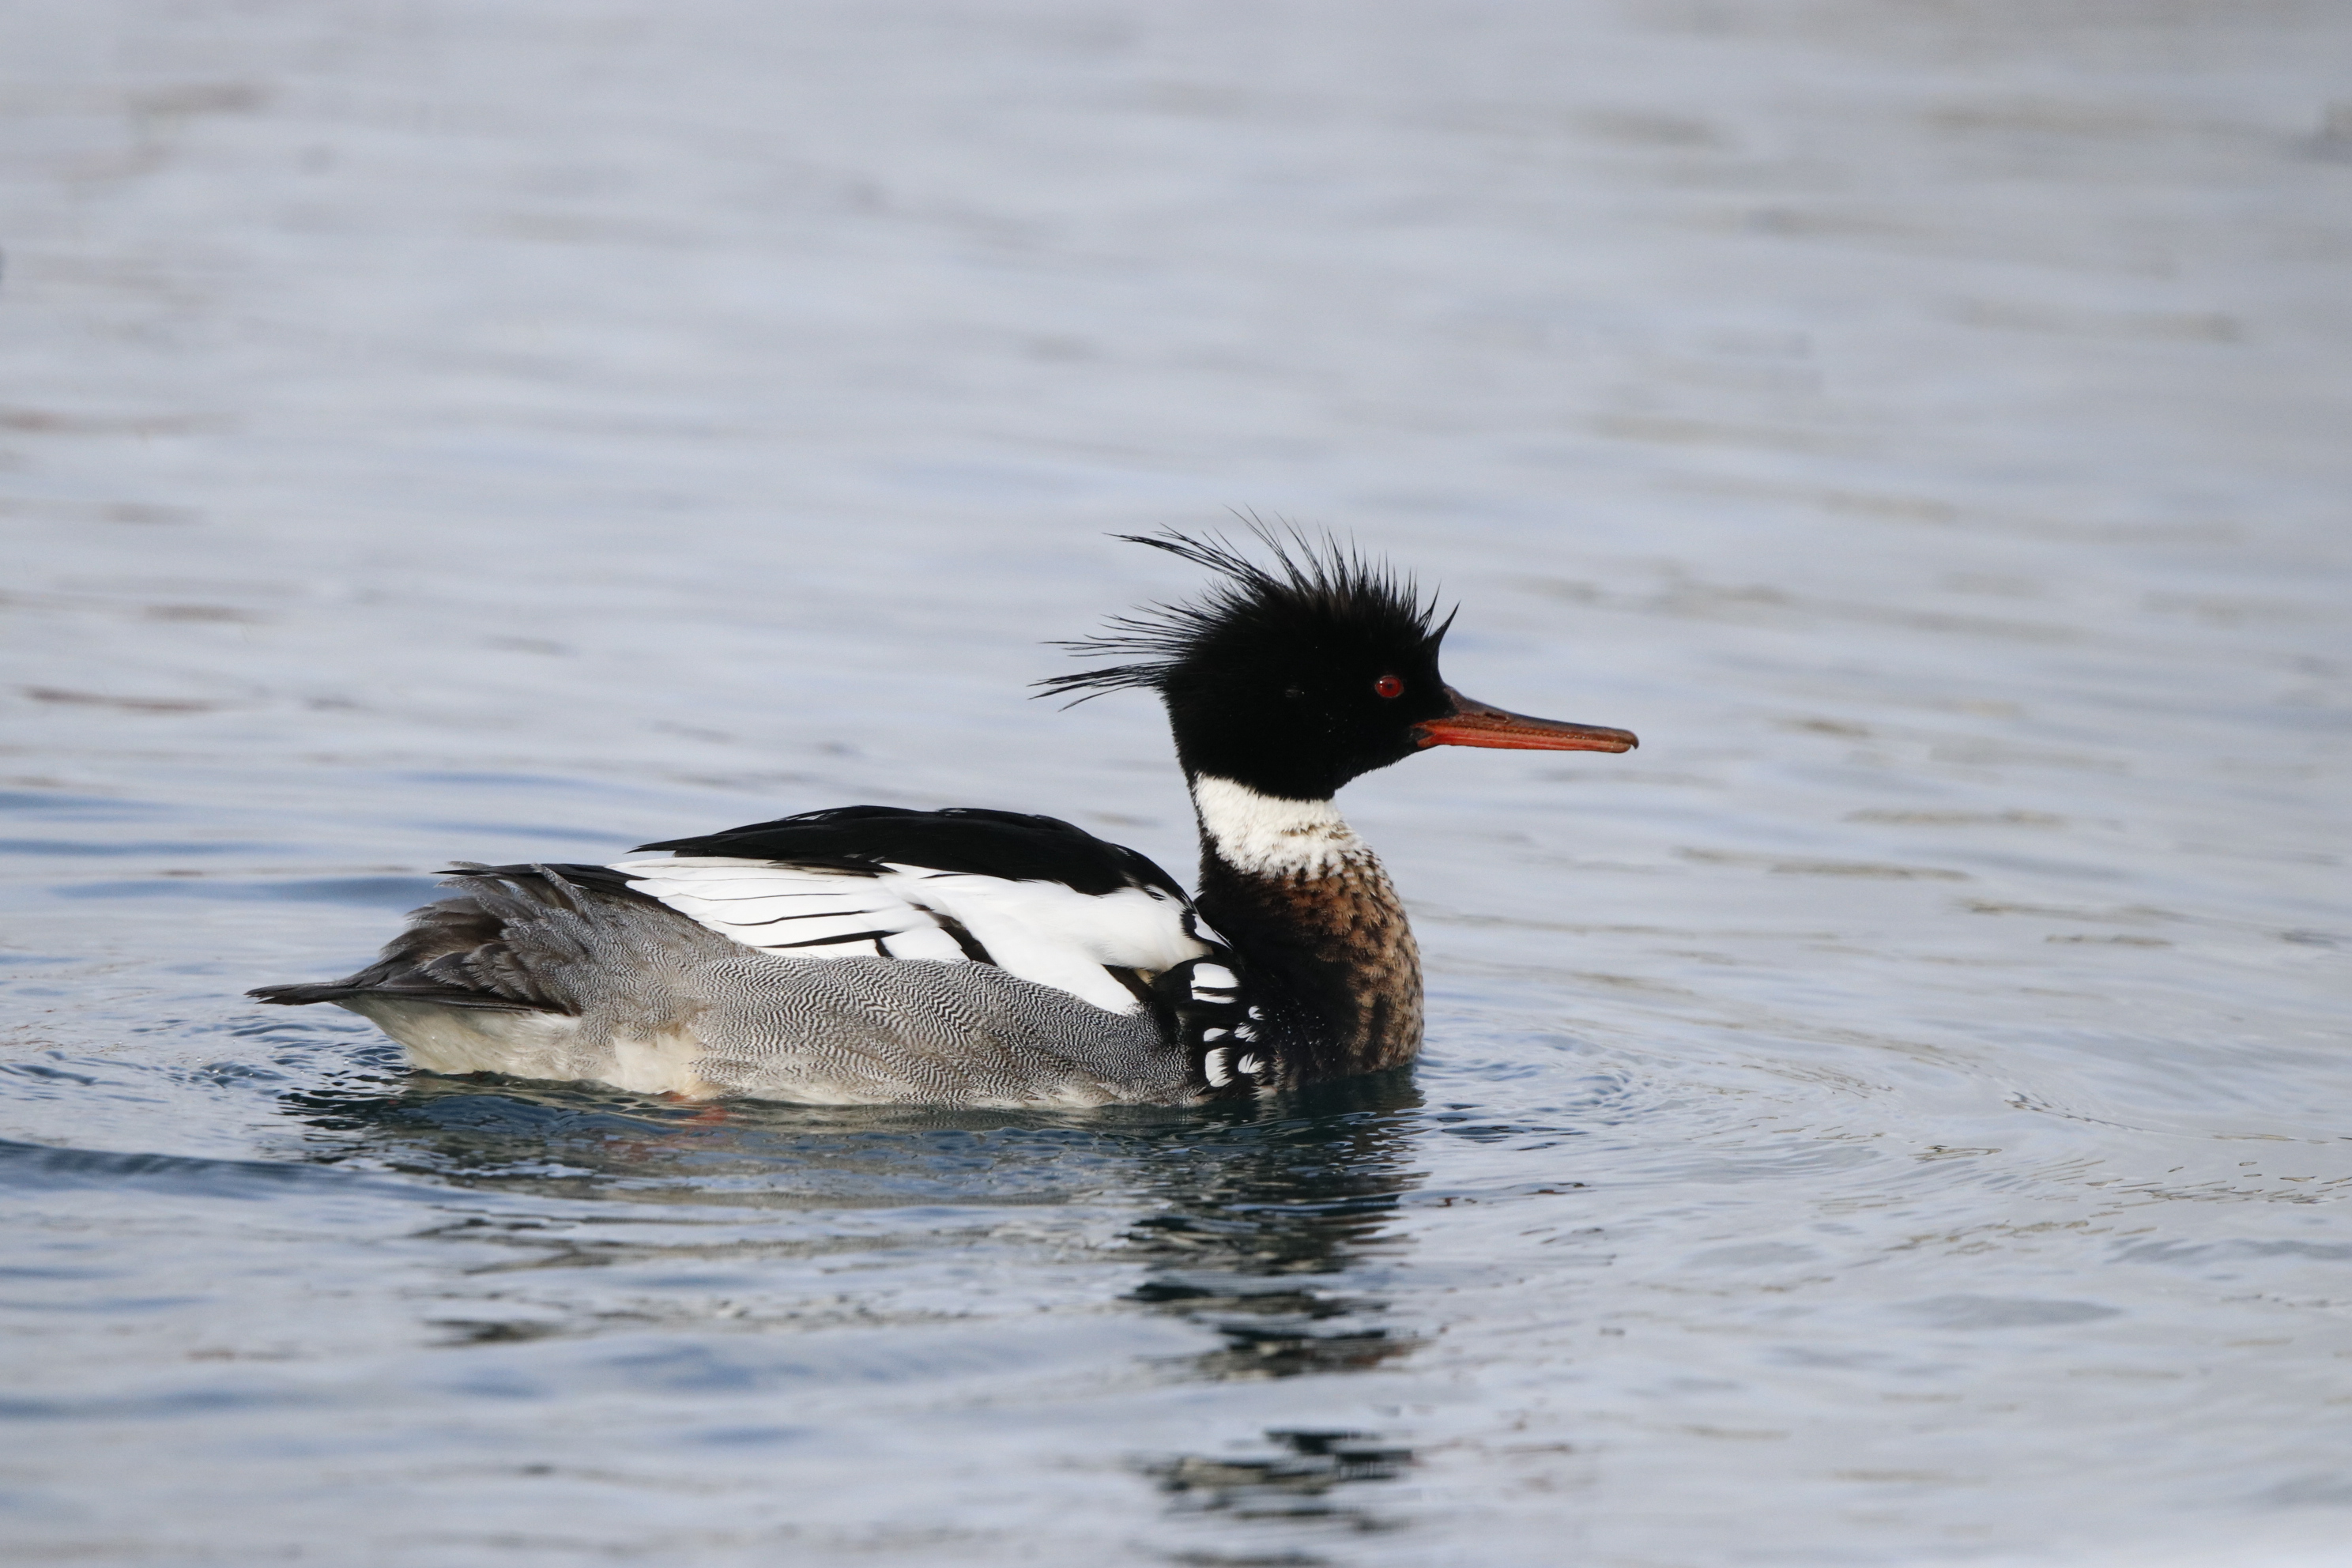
1044,931
1034,896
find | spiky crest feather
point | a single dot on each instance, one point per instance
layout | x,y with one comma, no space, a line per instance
1312,585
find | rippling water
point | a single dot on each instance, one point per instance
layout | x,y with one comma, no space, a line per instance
1899,1115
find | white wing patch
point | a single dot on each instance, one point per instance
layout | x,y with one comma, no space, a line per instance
1044,932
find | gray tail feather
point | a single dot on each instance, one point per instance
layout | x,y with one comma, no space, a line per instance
494,946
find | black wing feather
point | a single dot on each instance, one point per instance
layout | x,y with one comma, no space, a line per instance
966,839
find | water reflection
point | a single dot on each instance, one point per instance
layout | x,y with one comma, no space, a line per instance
1271,1226
1287,1187
1260,1223
1268,1225
1273,1235
579,1142
1294,1479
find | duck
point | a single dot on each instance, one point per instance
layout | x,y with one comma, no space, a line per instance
974,957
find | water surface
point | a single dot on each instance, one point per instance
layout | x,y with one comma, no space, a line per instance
1899,1115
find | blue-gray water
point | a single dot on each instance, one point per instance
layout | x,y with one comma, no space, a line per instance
1897,1116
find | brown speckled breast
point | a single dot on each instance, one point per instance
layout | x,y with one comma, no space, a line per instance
1337,943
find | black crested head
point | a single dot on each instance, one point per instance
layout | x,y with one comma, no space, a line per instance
1290,678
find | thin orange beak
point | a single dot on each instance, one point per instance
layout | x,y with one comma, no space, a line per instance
1472,723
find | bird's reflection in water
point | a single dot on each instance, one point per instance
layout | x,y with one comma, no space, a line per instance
589,1143
1274,1234
1284,1191
1268,1225
1296,1477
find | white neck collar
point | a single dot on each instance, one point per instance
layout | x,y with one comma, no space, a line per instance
1269,835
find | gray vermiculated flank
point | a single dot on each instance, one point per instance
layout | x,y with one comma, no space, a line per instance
889,1029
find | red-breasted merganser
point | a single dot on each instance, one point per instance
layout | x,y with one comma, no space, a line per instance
870,954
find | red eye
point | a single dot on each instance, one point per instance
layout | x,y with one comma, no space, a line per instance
1389,686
